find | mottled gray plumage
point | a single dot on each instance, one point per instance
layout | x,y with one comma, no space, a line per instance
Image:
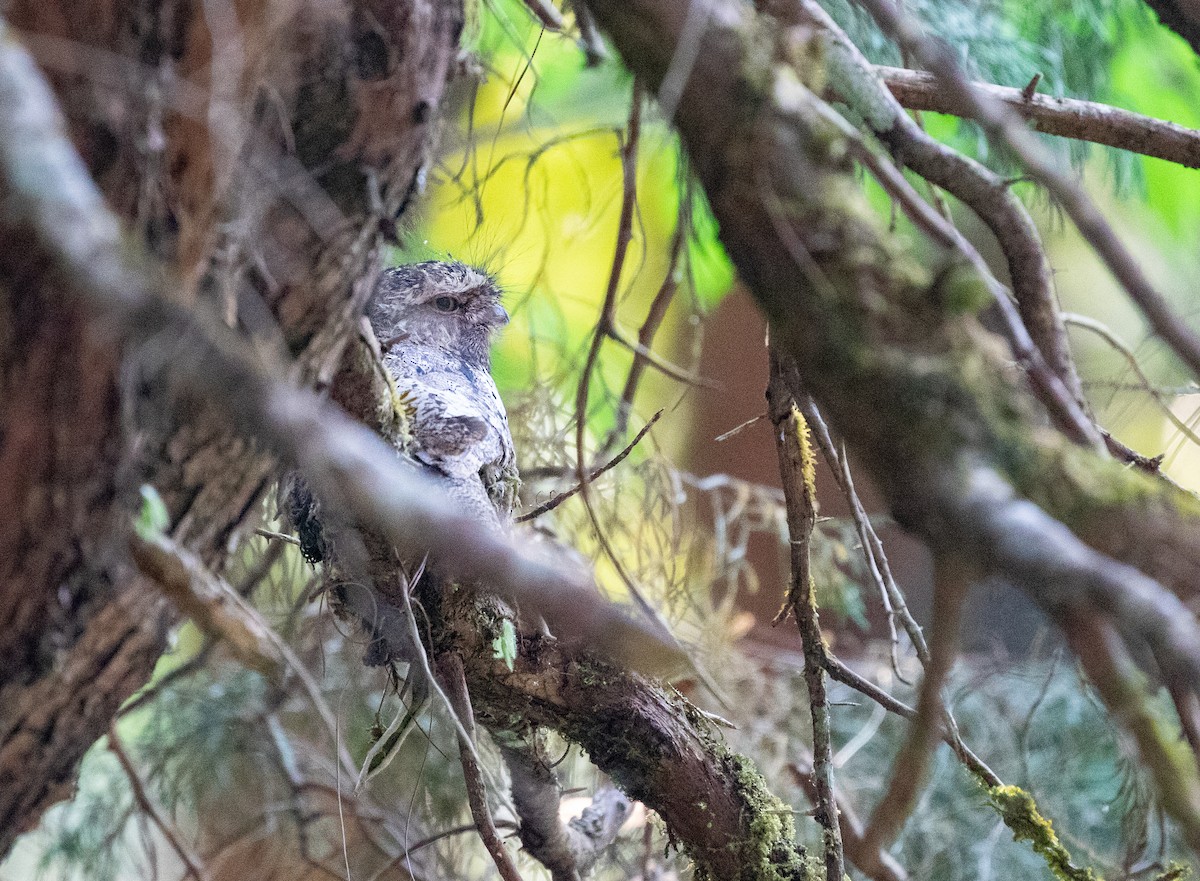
435,322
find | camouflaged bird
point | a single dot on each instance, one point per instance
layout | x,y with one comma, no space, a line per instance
435,322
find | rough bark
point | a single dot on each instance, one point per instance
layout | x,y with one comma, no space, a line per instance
264,180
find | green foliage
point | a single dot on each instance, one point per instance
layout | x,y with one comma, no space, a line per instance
153,518
1034,722
90,831
1071,44
504,645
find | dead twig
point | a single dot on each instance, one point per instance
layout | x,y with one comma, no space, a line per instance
612,463
460,704
191,860
1064,117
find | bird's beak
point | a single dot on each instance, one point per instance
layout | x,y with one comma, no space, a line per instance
495,316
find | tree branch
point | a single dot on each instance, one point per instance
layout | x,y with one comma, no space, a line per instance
1006,127
797,471
1064,117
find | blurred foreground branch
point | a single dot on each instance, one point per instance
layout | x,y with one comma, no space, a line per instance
890,346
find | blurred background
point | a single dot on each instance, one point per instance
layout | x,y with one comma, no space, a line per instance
529,184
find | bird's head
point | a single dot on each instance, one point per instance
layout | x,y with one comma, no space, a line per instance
449,305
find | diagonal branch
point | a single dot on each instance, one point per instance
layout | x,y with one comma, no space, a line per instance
1041,345
54,205
1007,128
1064,117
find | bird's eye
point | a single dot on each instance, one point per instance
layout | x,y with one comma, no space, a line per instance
445,304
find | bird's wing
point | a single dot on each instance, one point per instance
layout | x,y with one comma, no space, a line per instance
457,419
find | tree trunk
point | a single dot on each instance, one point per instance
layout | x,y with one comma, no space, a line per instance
261,151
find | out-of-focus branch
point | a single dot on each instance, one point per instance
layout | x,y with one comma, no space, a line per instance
1007,128
451,668
1182,17
1116,677
1065,117
212,605
224,616
1041,343
53,204
911,764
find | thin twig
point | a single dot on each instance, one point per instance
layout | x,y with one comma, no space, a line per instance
797,470
654,318
629,151
843,674
980,189
460,703
910,766
1052,389
881,866
608,466
276,536
191,860
1105,333
153,690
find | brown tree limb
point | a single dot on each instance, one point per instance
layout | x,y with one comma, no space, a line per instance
356,469
1041,344
1065,117
291,236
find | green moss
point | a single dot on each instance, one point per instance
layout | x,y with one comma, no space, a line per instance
1020,814
771,852
1174,872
